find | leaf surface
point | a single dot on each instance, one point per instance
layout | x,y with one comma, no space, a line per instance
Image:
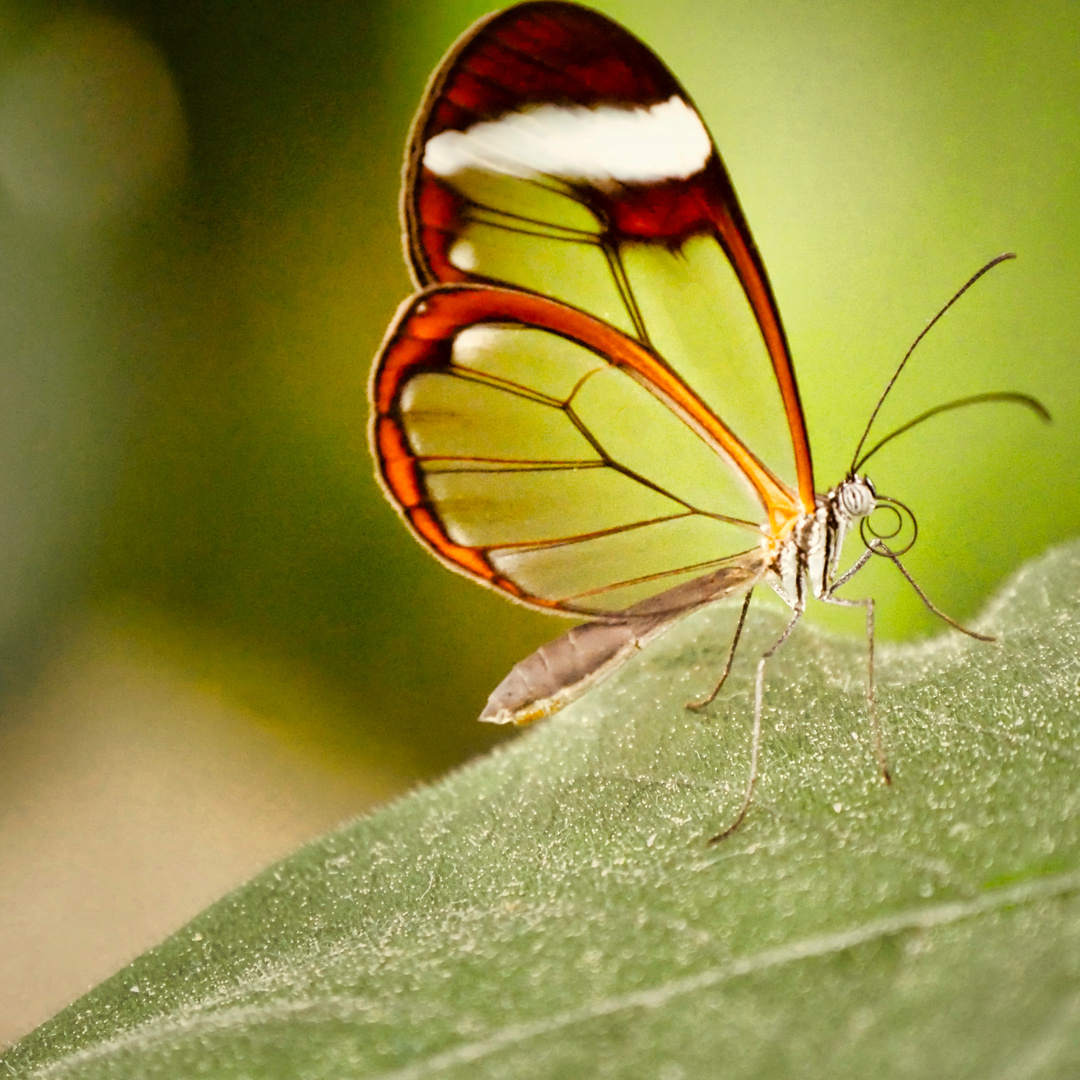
554,911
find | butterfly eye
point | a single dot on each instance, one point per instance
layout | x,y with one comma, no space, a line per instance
856,498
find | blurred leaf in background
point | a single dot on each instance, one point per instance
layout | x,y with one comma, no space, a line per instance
200,254
91,133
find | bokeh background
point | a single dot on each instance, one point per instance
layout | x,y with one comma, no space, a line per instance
216,639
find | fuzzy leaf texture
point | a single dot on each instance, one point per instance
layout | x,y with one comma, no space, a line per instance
554,911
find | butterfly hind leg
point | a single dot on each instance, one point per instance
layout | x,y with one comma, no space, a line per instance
867,602
878,547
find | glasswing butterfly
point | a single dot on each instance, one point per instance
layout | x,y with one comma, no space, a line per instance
590,404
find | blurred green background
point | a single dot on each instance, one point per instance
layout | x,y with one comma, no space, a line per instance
199,253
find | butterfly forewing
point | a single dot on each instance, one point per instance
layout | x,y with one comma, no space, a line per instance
555,152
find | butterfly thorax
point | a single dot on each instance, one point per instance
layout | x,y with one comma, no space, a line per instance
806,559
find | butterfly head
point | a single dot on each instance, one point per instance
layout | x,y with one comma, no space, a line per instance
851,501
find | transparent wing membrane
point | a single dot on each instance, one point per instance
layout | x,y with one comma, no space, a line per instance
570,478
610,572
550,242
700,321
685,303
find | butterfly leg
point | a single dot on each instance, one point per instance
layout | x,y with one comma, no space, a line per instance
755,737
866,602
882,549
711,696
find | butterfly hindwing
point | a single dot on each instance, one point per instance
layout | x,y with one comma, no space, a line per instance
550,455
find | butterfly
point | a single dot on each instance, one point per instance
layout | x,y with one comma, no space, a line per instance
589,404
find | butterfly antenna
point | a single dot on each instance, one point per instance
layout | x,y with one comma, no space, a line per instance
856,460
1034,404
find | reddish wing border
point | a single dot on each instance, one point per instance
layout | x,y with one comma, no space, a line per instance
420,340
560,53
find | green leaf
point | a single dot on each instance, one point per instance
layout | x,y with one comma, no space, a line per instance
555,911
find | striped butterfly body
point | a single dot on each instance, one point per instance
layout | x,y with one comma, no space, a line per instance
589,405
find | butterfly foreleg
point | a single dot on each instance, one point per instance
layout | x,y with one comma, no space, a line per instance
881,548
755,736
711,696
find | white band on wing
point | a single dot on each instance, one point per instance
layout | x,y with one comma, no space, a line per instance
664,142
